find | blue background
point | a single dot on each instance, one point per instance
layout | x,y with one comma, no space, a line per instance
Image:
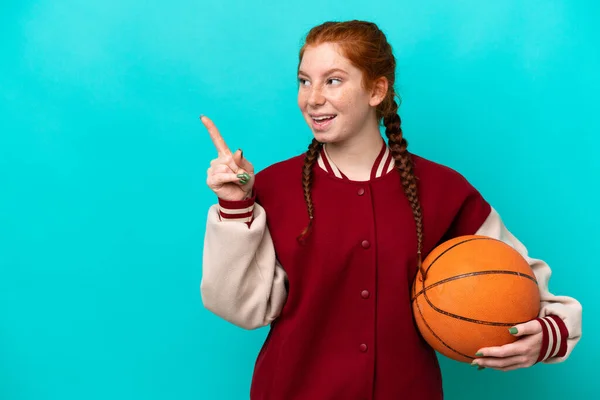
103,164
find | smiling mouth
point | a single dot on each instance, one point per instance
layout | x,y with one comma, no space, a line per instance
322,121
322,118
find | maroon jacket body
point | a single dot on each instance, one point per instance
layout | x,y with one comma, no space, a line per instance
346,331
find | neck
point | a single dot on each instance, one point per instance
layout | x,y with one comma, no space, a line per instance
355,156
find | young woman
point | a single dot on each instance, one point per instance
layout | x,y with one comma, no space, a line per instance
324,246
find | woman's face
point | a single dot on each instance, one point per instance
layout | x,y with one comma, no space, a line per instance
331,94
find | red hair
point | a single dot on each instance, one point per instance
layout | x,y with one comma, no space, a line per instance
366,47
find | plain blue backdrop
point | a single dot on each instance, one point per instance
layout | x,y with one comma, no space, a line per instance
103,164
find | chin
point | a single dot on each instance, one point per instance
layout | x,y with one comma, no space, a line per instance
325,137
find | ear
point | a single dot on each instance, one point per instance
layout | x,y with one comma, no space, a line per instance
380,89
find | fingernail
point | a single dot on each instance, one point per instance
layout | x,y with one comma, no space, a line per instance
241,153
244,178
513,331
474,364
201,115
479,354
480,368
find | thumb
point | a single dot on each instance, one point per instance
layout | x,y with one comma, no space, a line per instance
528,328
238,158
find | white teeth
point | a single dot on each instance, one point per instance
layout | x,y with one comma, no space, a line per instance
323,118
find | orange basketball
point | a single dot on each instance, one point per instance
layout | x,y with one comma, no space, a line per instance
475,289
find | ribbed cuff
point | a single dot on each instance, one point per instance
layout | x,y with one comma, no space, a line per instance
554,337
238,211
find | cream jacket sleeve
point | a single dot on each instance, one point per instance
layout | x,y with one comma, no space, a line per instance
566,308
242,281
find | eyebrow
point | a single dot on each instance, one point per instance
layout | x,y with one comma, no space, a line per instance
300,72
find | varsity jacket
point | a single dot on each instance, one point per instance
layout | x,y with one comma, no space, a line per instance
338,305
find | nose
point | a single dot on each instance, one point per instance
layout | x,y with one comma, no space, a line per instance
316,98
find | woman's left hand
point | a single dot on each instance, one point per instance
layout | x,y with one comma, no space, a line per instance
522,353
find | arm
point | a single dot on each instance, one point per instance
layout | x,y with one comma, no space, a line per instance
560,316
242,281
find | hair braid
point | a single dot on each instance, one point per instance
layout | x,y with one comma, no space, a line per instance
309,161
404,164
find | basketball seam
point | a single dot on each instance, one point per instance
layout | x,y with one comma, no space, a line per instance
477,273
453,246
439,310
437,337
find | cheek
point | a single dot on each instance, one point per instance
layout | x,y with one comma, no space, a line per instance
301,100
349,100
342,100
348,104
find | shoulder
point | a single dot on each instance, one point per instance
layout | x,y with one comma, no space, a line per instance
279,177
449,199
282,168
432,173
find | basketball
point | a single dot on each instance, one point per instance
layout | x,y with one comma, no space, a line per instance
475,289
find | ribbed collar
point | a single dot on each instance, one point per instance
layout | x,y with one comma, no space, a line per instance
384,163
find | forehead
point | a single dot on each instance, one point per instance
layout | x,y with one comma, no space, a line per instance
324,57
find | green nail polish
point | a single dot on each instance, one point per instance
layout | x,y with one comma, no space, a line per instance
513,331
479,354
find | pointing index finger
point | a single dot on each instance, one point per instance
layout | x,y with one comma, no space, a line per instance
215,135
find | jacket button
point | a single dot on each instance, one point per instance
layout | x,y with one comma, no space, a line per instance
365,294
366,244
363,348
361,191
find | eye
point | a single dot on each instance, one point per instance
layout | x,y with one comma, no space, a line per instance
303,82
334,81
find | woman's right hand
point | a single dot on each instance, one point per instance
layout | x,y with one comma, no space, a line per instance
230,176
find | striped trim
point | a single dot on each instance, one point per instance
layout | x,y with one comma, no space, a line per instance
391,165
563,334
236,215
551,339
554,337
329,165
321,163
379,163
544,348
237,211
384,163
